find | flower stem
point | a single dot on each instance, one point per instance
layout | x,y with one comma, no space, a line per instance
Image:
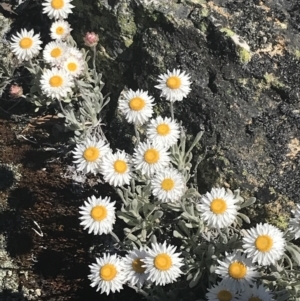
137,135
172,110
94,58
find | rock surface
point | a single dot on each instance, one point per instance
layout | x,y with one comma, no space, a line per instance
244,63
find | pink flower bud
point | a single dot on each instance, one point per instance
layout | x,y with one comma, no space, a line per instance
91,39
15,91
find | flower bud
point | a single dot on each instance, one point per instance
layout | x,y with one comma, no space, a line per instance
91,39
15,91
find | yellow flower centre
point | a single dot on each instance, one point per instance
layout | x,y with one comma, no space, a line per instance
137,104
218,206
151,156
72,66
264,243
137,265
173,82
108,272
55,52
224,295
26,43
255,299
60,30
163,262
163,129
56,81
99,213
167,184
57,4
237,270
91,154
120,166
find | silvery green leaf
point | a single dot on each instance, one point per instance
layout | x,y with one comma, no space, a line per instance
189,217
126,218
195,279
37,104
84,84
177,234
132,237
144,234
191,192
153,239
189,276
248,202
157,214
294,251
223,239
183,227
244,217
190,226
269,277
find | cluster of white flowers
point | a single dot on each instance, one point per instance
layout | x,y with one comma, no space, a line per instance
153,162
263,244
151,157
65,62
158,264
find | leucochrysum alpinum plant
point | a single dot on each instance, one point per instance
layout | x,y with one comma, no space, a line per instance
177,244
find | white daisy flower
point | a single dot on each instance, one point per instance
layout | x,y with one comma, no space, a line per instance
55,52
137,107
98,215
134,269
107,274
89,154
221,292
174,85
162,264
237,271
56,83
150,158
294,224
57,9
257,293
218,208
60,30
264,244
74,66
164,131
116,168
168,185
25,45
75,52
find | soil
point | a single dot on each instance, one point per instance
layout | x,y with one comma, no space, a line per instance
56,262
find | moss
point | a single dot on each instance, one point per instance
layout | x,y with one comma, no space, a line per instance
204,12
272,80
244,55
297,53
227,31
280,221
127,25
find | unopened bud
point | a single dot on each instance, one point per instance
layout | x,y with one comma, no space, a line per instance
15,91
91,39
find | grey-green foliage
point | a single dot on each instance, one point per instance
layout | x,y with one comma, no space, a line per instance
8,63
7,70
200,245
83,111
